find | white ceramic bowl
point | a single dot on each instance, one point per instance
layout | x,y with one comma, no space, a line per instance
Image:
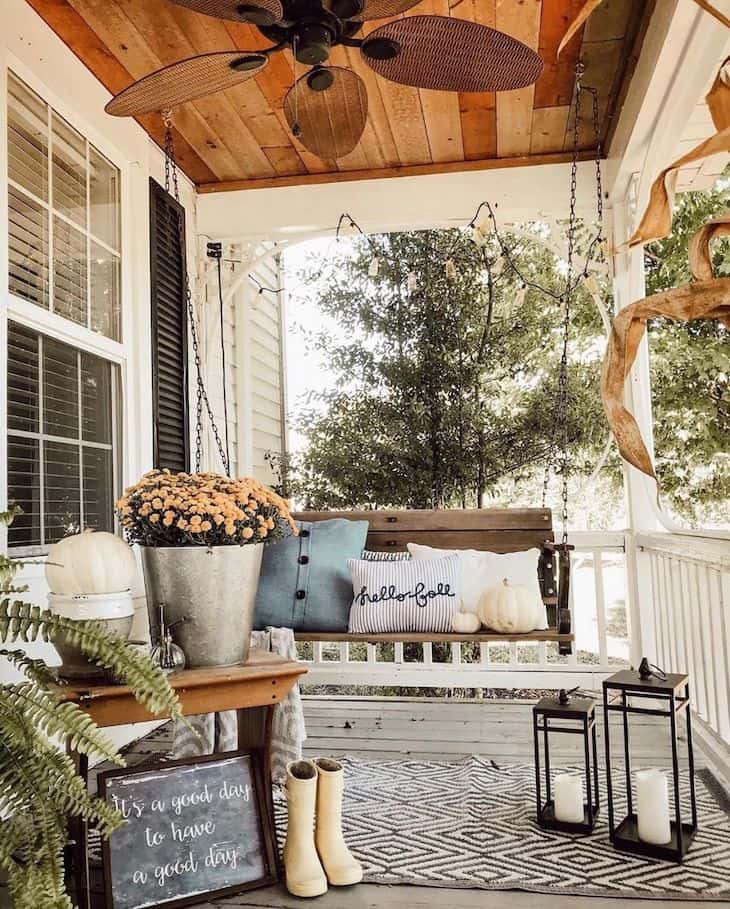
92,606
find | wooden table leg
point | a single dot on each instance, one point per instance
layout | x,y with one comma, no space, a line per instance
254,731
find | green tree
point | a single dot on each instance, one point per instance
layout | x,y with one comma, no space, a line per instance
445,381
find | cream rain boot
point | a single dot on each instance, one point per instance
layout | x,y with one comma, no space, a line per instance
341,867
304,873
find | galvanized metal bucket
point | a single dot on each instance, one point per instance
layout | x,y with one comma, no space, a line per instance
210,592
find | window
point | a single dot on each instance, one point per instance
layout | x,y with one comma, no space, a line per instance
169,331
63,415
64,216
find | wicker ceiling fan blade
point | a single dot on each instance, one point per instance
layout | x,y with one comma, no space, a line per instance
454,55
361,10
258,12
327,110
186,80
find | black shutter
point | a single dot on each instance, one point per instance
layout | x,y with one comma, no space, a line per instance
169,331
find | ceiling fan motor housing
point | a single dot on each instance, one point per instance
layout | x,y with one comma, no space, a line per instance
313,42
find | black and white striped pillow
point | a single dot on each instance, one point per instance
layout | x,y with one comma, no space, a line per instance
403,596
372,555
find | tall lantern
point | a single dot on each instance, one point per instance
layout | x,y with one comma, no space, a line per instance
563,807
648,829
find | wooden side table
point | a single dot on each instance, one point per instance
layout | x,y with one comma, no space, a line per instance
254,688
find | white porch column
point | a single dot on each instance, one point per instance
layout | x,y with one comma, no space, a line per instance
641,511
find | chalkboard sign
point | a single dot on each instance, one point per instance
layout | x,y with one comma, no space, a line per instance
195,828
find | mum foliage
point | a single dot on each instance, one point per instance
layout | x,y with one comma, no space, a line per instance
40,790
202,509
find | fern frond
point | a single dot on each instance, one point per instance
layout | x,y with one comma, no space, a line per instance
19,620
65,720
35,670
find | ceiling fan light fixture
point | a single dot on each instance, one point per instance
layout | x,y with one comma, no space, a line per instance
313,44
346,9
381,48
320,79
256,15
247,62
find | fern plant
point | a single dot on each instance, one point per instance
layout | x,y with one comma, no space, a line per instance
40,790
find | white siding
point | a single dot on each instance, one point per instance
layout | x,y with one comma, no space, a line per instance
258,350
31,49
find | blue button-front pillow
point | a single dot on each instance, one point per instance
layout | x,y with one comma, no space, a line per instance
305,583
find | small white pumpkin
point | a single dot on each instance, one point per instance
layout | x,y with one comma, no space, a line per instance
90,562
509,609
465,622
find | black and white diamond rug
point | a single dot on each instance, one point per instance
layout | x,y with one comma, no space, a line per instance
472,824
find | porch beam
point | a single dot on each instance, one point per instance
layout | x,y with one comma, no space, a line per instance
414,170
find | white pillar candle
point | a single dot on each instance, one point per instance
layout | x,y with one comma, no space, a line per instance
652,807
568,798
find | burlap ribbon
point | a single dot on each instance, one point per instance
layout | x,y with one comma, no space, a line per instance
706,297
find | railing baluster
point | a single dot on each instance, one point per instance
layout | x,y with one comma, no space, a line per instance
427,654
399,652
600,607
700,685
720,652
655,596
708,643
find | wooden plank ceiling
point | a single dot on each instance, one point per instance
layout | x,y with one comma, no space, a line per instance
240,139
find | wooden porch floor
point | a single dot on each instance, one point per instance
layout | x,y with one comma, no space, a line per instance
393,729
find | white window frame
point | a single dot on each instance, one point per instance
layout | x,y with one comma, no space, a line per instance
36,318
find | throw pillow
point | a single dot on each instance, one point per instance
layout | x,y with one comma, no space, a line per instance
403,596
480,570
305,582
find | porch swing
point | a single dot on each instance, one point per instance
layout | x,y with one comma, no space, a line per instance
500,530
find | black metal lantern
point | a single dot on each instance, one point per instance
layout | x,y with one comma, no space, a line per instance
672,693
566,715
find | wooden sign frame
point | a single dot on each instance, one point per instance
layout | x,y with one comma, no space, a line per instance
260,801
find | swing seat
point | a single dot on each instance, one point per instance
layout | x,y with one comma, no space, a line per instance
487,529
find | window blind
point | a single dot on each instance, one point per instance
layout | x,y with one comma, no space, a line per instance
169,331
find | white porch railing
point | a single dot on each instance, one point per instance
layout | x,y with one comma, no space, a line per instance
600,615
690,581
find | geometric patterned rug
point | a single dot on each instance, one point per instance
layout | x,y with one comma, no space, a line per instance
471,824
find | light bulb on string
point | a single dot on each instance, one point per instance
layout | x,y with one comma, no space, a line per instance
498,267
374,267
591,285
450,270
480,233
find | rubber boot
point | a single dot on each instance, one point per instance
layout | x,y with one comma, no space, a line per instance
304,873
339,863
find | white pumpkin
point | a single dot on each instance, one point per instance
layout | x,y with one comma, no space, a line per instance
509,609
465,622
90,562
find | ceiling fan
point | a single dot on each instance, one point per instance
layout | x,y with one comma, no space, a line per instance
327,107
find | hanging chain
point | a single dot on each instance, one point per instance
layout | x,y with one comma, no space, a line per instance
560,418
202,401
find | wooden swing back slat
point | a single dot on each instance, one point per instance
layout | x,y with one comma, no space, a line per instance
487,529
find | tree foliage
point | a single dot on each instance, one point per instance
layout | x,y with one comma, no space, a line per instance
443,392
444,384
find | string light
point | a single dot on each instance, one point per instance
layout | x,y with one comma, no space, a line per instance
450,270
591,285
498,267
